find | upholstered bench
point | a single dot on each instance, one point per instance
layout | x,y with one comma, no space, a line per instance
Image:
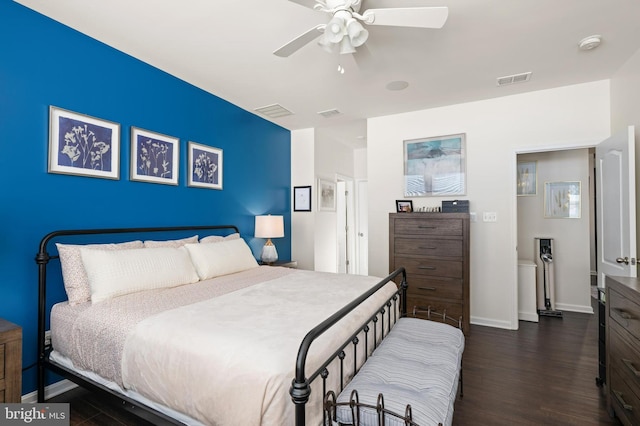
410,379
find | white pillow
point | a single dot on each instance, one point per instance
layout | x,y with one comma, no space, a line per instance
76,283
223,258
171,243
115,273
219,239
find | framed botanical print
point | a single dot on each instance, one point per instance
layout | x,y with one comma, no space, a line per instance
205,166
83,145
527,182
562,200
154,157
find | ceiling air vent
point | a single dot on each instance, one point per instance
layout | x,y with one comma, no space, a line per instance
515,78
329,113
273,111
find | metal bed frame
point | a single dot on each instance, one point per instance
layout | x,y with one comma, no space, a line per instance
300,390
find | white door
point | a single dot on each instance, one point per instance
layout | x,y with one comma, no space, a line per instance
363,227
341,227
616,203
345,230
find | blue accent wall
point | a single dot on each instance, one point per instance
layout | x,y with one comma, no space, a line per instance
45,63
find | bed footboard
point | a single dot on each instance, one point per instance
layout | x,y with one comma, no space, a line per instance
388,314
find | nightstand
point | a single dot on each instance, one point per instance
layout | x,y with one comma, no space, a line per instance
284,263
10,362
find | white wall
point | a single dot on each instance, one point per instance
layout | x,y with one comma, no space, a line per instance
331,158
625,96
303,174
496,129
625,109
314,237
360,163
571,237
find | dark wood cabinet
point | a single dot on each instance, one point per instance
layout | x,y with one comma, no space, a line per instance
434,249
601,379
623,348
10,362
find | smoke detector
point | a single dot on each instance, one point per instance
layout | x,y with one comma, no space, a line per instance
590,43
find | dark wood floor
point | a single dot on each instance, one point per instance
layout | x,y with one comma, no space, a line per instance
542,374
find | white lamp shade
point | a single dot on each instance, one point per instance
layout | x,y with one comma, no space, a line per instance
357,34
346,47
335,30
269,226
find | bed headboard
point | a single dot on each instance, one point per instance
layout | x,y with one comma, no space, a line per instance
101,235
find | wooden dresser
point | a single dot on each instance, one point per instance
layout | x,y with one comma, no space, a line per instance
434,249
10,362
623,348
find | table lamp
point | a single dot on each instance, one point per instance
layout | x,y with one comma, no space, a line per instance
269,227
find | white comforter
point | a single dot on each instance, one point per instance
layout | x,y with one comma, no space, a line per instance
230,360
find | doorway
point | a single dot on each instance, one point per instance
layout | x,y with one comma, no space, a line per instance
540,212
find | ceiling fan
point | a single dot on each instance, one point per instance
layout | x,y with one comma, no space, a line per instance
344,31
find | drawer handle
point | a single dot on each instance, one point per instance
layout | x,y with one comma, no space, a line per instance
431,268
630,366
621,401
426,227
623,314
427,248
427,288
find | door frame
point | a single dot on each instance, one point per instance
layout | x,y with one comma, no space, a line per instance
514,213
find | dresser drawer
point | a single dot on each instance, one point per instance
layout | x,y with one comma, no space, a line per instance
624,358
439,288
428,247
451,309
430,267
418,226
624,312
625,403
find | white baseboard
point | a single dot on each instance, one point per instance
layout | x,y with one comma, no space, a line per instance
574,308
50,391
491,323
528,316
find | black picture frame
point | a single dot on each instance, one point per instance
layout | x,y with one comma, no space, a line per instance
302,198
404,206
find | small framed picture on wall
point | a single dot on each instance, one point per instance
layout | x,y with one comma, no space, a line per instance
302,198
326,195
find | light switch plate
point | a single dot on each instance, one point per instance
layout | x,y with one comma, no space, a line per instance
490,217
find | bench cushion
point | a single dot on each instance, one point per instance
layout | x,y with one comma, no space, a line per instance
418,363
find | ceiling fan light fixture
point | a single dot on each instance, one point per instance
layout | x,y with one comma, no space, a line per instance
346,47
326,45
357,33
335,30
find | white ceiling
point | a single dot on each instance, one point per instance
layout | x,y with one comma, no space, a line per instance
225,47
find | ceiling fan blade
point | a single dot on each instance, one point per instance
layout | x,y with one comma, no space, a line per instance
419,17
306,3
300,41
